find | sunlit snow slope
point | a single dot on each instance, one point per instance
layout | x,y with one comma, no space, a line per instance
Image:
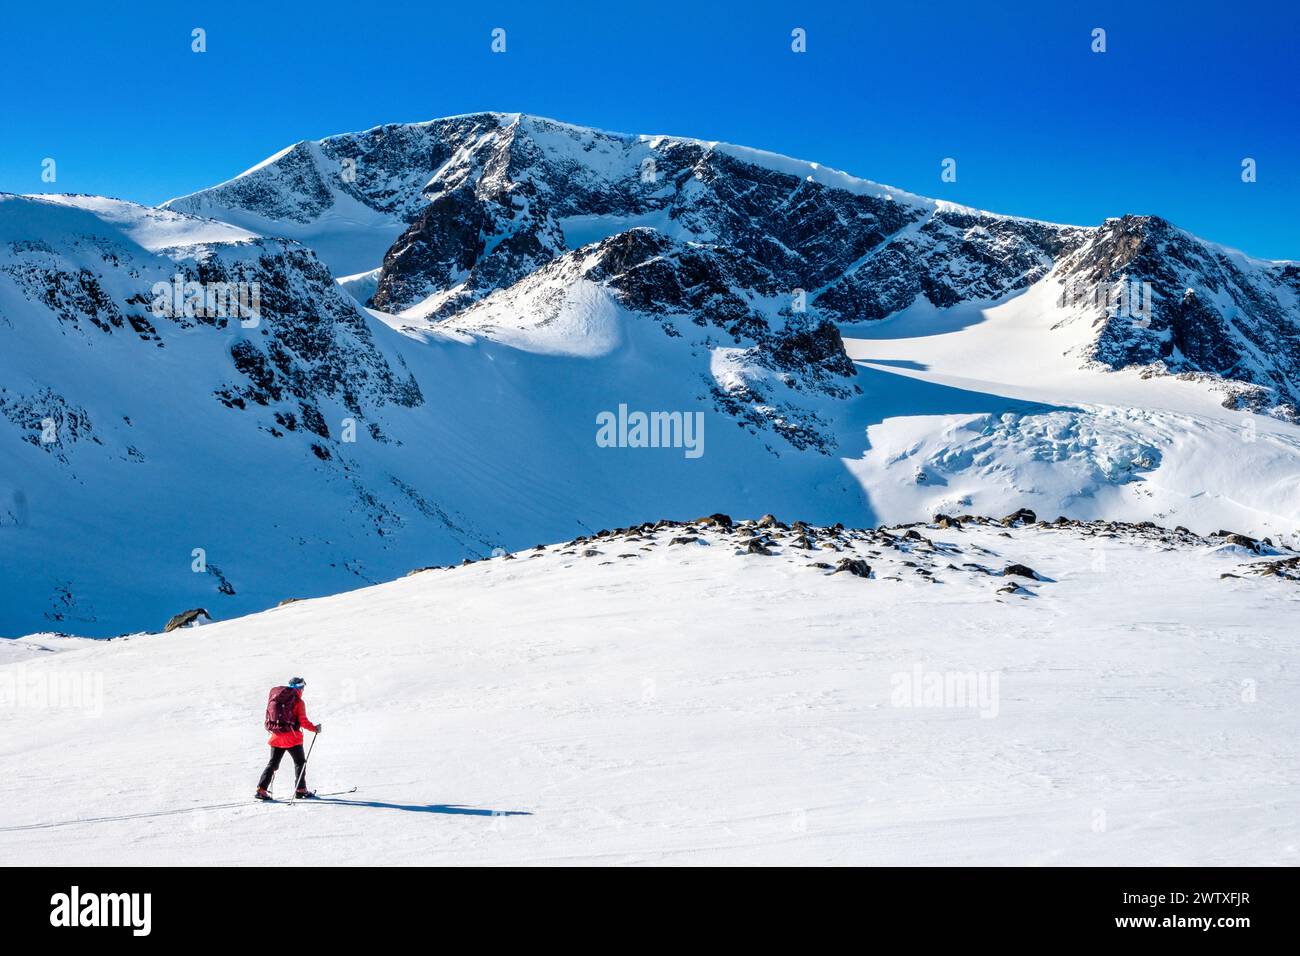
633,700
987,409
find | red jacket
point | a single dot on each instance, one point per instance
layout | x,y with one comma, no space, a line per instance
292,738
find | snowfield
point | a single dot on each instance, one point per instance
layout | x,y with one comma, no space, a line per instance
699,702
985,407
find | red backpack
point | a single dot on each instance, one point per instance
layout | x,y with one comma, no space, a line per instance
281,705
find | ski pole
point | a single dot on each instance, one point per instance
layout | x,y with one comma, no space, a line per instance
303,771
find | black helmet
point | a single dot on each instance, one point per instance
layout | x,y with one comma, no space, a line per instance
297,683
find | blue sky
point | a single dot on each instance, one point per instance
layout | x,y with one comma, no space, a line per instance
1039,125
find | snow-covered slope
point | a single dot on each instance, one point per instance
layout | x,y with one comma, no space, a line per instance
152,455
153,463
986,408
851,352
674,695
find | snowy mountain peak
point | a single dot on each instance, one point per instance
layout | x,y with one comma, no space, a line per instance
466,205
447,315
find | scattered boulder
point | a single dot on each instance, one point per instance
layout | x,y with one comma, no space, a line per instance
757,546
288,601
855,566
683,540
769,521
721,520
1024,515
1241,540
1288,568
190,618
1020,570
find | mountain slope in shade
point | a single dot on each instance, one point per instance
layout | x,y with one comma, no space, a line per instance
231,467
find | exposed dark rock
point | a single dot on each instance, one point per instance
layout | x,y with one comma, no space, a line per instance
188,618
1024,515
1020,570
720,520
854,566
1241,540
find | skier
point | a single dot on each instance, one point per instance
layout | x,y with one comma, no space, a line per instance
286,715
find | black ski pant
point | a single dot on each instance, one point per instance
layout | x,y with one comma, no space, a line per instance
299,763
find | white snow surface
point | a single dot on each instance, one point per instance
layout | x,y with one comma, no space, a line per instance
693,704
989,405
30,218
985,404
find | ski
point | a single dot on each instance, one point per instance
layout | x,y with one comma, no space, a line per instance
332,793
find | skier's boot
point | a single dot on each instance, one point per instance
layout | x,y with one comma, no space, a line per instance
261,794
305,795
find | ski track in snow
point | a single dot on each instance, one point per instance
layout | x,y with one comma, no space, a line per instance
696,704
